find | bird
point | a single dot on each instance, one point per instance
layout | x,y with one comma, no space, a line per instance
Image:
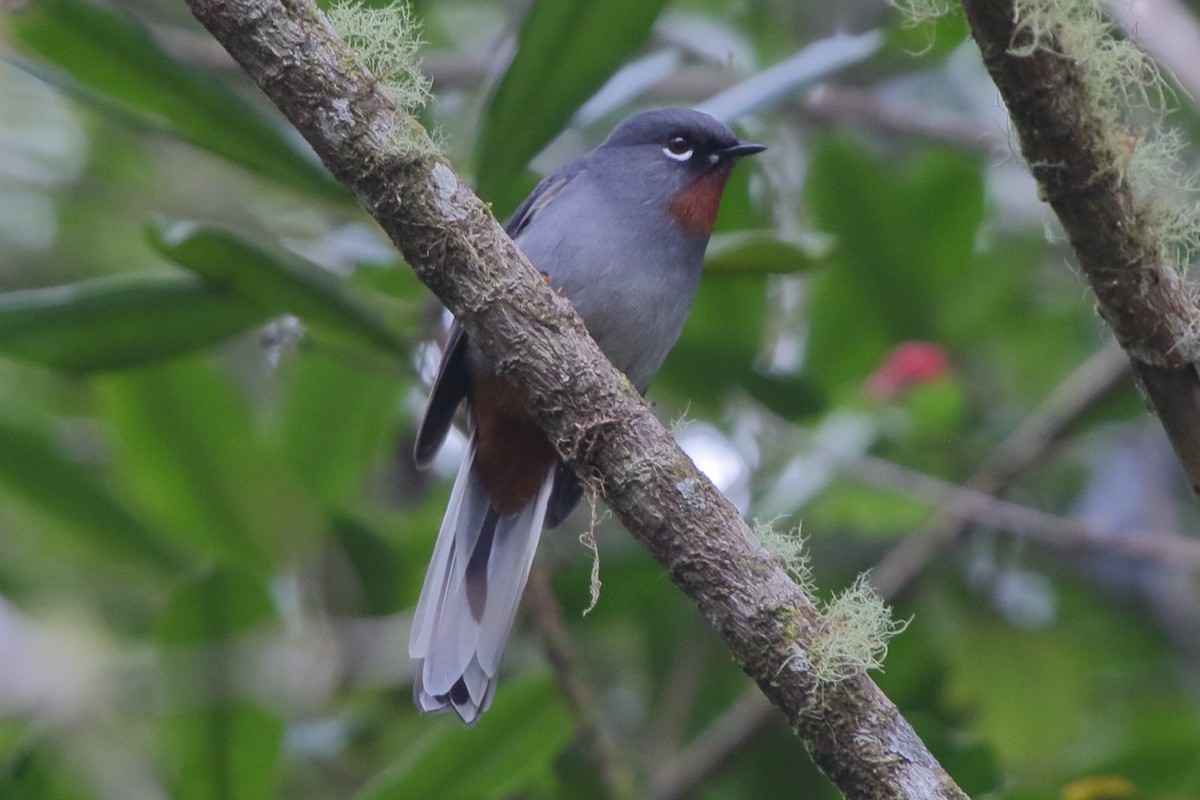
620,232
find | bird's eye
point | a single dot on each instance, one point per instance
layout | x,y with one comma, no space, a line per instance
678,147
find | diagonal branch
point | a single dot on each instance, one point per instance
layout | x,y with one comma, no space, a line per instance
685,773
598,422
594,736
1079,155
1164,549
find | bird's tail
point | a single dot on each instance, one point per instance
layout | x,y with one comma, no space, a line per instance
479,569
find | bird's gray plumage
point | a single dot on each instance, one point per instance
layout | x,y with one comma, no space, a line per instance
600,229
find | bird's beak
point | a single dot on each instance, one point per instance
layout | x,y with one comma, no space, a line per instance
742,149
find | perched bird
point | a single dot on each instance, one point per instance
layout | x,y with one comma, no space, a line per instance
621,232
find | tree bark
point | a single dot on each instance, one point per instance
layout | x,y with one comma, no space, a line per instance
1077,152
597,420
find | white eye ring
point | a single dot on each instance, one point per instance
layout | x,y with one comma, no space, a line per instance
684,156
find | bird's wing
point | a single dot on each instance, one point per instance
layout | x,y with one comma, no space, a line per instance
449,389
564,496
452,382
542,194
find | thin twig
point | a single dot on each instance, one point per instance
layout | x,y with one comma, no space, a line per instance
665,733
868,108
601,746
711,748
975,501
1050,530
1090,381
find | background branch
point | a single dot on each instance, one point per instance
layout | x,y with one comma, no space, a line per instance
598,422
1076,152
1090,381
1068,535
687,770
595,738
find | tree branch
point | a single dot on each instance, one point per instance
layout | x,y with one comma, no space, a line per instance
1089,381
1077,152
709,750
596,419
1165,549
595,738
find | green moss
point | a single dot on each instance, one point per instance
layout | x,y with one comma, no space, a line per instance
790,620
788,549
918,11
858,627
388,41
1123,83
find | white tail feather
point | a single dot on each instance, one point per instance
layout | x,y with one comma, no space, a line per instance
432,594
458,654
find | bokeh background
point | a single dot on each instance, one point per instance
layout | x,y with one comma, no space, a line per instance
211,364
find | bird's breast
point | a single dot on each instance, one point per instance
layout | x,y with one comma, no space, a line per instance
694,207
631,272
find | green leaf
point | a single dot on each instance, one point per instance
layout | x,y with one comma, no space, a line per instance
376,571
108,59
214,606
763,252
32,768
932,39
566,50
275,281
914,678
336,413
1071,722
108,323
936,408
186,448
715,357
225,747
816,62
35,471
865,510
511,749
905,253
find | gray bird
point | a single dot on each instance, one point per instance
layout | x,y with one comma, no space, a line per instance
621,232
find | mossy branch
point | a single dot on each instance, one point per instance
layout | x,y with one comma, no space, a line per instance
600,425
1067,84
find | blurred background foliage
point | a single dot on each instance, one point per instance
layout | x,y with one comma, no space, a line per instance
211,363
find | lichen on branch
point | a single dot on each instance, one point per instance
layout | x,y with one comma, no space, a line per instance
388,40
1087,108
856,623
